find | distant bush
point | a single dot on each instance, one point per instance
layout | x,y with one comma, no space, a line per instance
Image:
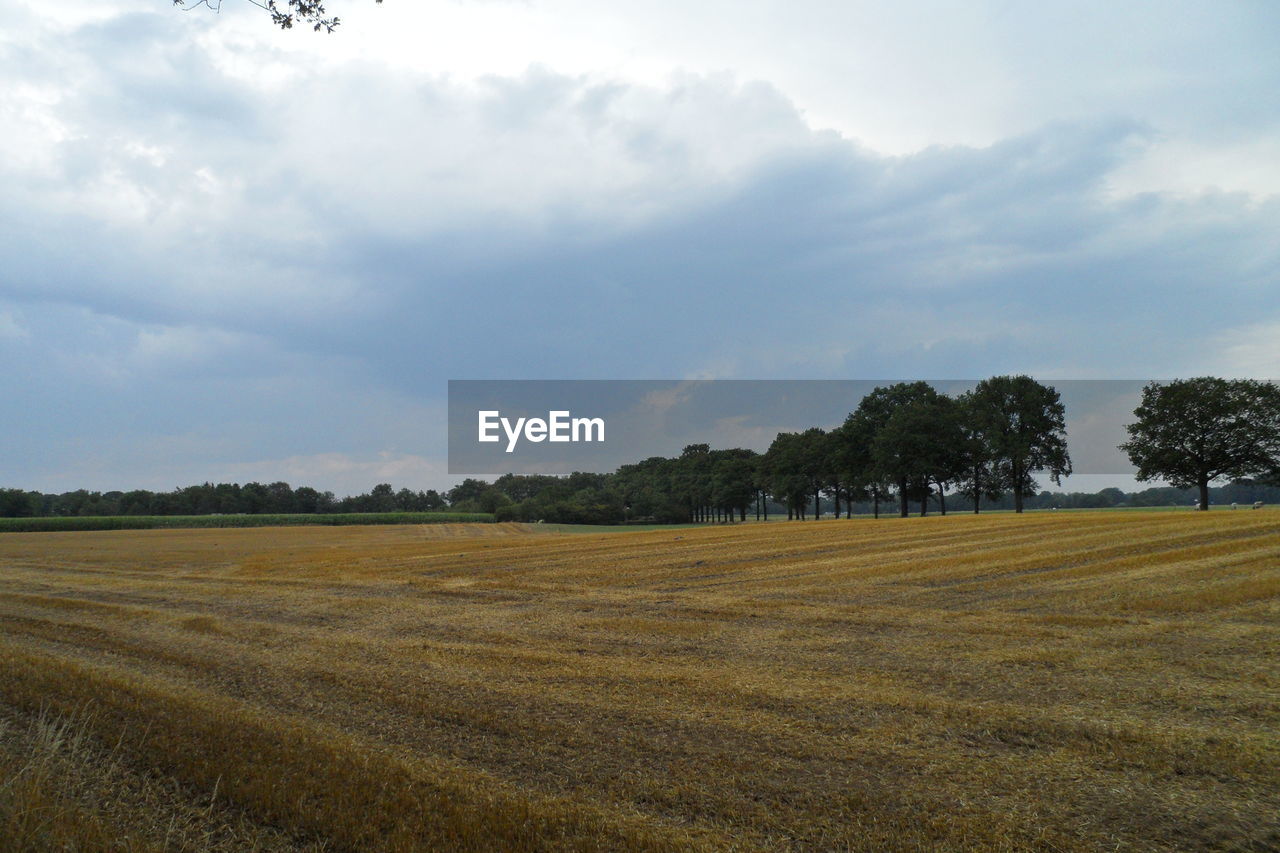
147,522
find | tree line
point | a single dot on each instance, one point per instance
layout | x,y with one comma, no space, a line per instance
216,499
904,444
907,444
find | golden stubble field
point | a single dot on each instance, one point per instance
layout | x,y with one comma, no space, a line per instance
1064,681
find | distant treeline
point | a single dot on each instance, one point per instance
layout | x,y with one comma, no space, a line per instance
216,499
578,498
904,444
609,499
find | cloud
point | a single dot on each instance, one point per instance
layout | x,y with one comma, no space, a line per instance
344,474
1251,351
208,240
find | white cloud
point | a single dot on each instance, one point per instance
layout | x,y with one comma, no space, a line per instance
1190,167
291,241
345,474
1248,352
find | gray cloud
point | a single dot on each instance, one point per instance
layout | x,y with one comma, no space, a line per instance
202,272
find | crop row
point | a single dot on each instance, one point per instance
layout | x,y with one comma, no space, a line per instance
147,522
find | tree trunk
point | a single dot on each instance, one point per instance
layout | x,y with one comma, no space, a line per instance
764,504
1017,488
837,496
817,504
903,512
942,500
875,503
1204,494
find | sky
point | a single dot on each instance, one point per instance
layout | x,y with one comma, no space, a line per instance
231,253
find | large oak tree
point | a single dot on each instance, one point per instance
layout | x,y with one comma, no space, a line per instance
1191,432
864,425
1025,423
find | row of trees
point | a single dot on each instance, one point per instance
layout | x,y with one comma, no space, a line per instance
903,443
908,443
906,440
213,499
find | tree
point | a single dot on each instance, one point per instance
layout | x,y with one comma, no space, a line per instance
850,462
284,16
1194,431
649,489
15,503
921,446
784,470
468,490
871,469
693,479
813,454
382,498
733,481
1025,423
981,474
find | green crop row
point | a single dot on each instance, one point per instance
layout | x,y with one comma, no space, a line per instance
147,522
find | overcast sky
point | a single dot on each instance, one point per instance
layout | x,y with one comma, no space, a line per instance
231,253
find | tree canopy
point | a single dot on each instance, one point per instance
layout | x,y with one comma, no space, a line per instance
1191,432
1024,423
885,462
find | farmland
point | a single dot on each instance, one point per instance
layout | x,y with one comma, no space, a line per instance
47,524
1055,681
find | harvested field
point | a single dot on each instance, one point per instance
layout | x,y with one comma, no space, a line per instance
1063,681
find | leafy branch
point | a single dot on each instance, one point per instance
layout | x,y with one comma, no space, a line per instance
305,12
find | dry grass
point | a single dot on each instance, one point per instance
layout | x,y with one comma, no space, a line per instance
1066,681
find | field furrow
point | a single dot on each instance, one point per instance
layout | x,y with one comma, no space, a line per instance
1051,681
